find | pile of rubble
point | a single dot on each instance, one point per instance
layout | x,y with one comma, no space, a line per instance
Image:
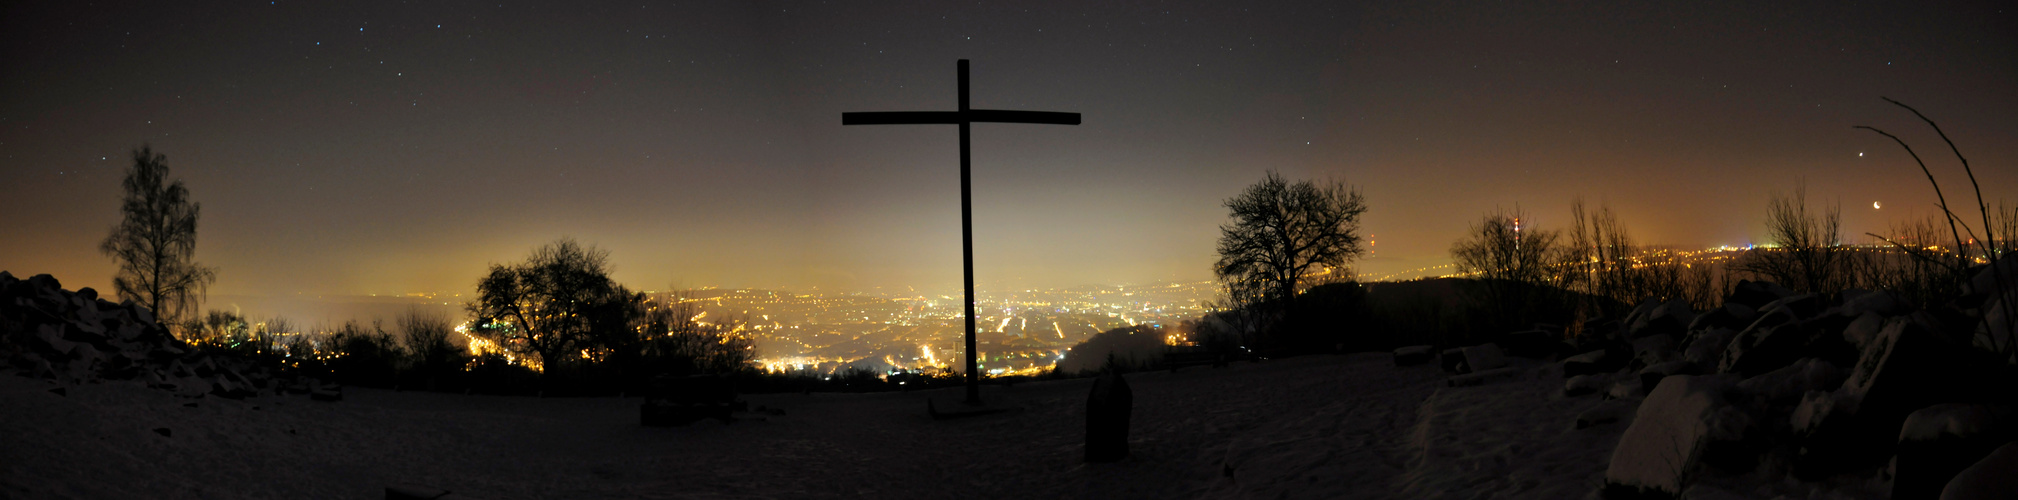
1778,384
77,337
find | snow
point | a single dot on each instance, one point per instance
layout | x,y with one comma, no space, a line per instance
1667,435
1952,419
1989,479
1483,357
1350,426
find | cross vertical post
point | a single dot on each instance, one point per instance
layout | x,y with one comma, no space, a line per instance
964,117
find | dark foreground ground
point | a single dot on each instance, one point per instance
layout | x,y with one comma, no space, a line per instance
1350,426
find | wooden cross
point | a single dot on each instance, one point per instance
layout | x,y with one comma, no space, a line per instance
963,117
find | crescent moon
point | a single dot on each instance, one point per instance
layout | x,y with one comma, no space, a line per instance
1876,206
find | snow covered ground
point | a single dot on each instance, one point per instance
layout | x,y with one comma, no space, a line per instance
1350,426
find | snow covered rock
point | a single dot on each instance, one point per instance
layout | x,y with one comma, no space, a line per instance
1990,478
1599,361
1413,355
1589,383
1936,443
1908,366
1651,375
1794,381
1666,439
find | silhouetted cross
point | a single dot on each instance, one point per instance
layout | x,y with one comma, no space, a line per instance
963,117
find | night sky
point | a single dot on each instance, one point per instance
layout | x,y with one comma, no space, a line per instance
379,147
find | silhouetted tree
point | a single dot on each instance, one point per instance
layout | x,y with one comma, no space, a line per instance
1499,248
673,340
1518,268
550,304
363,355
1807,254
430,344
1283,231
155,242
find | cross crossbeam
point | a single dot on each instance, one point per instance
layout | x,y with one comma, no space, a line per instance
963,117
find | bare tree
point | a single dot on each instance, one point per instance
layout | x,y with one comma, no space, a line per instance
1807,253
1516,267
1282,231
1499,248
155,242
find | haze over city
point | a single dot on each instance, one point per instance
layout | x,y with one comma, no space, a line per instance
395,148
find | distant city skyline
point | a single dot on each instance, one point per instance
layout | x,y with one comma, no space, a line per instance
361,148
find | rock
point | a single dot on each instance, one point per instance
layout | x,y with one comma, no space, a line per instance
1734,441
1762,349
1707,492
413,492
1625,387
1823,423
45,282
1907,367
1665,442
1452,360
1857,303
1653,350
1482,357
1589,383
331,393
51,336
1803,306
1668,318
1756,294
1989,478
1732,316
1985,282
1708,346
163,431
1413,355
1793,381
1994,334
1108,407
1606,412
1592,362
1860,331
1482,377
1936,443
1638,315
1651,376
